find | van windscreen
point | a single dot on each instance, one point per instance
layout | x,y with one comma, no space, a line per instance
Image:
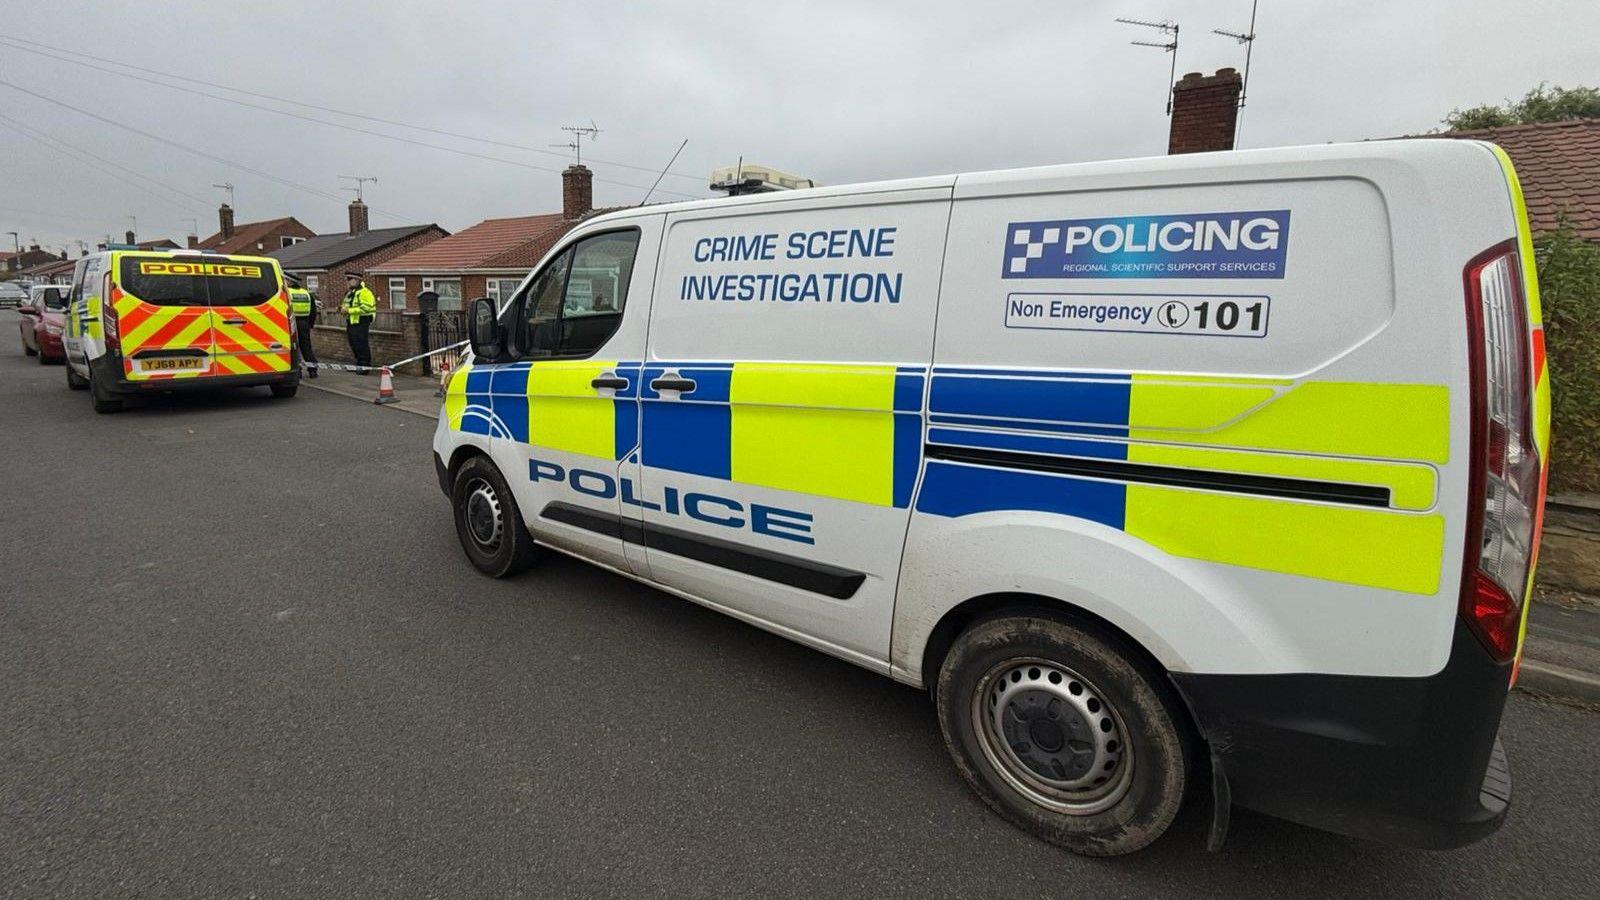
173,282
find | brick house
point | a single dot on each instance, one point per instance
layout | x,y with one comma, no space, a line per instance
32,255
487,260
57,271
252,237
321,262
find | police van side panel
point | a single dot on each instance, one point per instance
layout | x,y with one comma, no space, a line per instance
1248,453
805,326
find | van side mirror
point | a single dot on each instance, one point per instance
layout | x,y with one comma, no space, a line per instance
484,332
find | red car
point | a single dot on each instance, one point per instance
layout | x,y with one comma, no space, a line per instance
44,317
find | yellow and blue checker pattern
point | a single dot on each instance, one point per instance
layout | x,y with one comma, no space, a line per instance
851,432
1390,436
855,432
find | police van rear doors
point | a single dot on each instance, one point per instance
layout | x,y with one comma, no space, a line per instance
185,317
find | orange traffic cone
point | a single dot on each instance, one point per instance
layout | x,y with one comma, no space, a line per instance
385,387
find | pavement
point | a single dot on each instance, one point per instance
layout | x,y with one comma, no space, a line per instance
241,655
413,394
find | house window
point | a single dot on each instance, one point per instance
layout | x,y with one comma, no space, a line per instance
397,293
288,241
448,289
501,289
311,283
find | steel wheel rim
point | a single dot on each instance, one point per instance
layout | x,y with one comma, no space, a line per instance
1052,736
483,516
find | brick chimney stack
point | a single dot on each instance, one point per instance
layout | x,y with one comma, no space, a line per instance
358,216
129,236
225,221
194,242
577,192
1204,112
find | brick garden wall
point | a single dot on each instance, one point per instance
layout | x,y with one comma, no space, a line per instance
387,345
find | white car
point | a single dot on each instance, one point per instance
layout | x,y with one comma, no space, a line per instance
12,294
1214,469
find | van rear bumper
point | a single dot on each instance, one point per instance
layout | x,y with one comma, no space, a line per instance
1409,761
107,370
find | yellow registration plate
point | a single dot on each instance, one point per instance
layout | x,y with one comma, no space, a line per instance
172,363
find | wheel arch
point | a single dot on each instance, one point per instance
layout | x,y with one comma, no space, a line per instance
965,614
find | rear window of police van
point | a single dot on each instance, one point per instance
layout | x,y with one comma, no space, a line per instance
198,282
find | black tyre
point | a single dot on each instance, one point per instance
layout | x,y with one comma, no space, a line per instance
284,391
29,351
75,381
488,521
1064,734
41,357
104,400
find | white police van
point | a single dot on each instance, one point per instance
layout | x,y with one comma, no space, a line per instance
1214,476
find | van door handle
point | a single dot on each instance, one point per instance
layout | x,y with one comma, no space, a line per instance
681,385
615,382
233,321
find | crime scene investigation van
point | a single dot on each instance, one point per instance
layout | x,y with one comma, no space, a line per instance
140,321
1216,475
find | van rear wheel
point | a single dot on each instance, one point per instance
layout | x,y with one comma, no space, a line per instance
284,391
1063,734
488,521
104,400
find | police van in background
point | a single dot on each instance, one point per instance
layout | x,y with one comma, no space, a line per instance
1215,476
144,320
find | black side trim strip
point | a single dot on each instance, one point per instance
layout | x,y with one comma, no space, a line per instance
819,578
1141,473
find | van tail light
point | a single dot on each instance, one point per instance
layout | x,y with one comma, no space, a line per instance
1505,481
109,295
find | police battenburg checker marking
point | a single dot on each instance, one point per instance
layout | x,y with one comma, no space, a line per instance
1190,245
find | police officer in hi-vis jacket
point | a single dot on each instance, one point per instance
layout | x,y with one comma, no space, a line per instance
303,304
359,308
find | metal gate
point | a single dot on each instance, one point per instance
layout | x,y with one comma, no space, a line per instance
442,328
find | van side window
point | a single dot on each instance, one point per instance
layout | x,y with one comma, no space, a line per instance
575,305
77,282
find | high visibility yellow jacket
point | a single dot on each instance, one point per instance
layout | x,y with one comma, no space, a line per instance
359,303
300,303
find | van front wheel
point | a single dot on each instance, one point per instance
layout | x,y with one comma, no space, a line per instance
75,381
1063,734
488,521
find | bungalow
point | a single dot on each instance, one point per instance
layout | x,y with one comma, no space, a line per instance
487,260
251,237
56,271
321,262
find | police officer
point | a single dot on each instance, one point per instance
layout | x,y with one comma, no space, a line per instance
303,304
359,308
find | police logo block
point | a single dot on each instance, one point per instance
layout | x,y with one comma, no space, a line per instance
1193,245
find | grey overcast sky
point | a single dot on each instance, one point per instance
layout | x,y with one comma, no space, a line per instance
838,91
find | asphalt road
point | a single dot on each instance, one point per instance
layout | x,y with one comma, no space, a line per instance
241,655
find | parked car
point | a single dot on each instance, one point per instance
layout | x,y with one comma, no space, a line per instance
44,318
12,294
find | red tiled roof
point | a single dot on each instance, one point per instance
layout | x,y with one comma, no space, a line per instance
527,253
478,247
1558,164
247,235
